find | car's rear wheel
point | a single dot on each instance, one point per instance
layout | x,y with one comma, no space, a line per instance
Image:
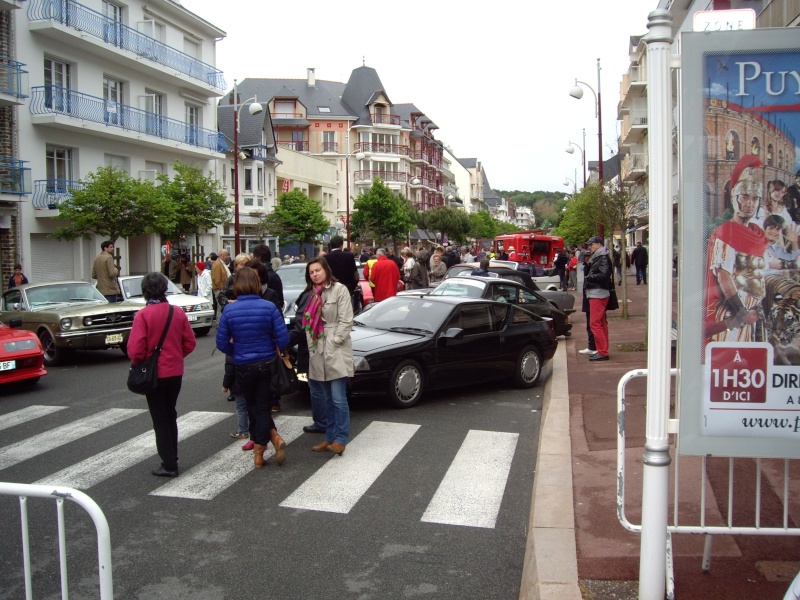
201,331
529,368
406,384
53,355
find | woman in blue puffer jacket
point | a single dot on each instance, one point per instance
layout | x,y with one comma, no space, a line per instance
249,329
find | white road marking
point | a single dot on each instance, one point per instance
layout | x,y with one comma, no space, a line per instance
341,482
48,440
226,467
472,489
28,414
101,466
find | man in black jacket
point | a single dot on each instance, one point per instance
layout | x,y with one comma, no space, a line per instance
343,264
597,286
264,254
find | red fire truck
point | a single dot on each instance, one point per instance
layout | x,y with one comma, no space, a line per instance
535,251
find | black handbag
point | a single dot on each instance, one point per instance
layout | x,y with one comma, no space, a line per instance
284,377
143,378
613,302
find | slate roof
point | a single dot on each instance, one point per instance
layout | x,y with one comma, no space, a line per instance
362,87
489,195
406,110
468,163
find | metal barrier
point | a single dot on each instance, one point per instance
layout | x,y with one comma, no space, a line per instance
59,495
702,528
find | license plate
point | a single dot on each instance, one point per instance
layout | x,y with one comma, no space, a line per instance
8,365
192,317
114,338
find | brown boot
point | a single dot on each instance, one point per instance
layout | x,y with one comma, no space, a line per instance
279,445
258,455
321,447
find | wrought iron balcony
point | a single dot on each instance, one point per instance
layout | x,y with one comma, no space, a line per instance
14,178
90,22
49,193
380,118
384,175
297,145
11,73
56,100
382,148
330,146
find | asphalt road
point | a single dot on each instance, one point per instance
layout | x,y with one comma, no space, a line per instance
427,502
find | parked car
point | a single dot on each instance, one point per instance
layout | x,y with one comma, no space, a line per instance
563,301
199,312
68,315
367,296
407,345
293,278
21,354
504,290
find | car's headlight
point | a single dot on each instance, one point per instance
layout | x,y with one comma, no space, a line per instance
87,321
204,306
19,345
360,363
66,323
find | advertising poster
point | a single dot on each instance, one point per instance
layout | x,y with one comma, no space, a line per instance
746,168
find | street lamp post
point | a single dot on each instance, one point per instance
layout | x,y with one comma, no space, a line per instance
255,108
577,92
570,149
359,156
567,181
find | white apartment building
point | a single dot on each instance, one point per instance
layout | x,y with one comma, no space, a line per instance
131,85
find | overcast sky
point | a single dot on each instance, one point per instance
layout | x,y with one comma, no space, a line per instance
494,76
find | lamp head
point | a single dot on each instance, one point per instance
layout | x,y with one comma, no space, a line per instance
566,182
576,92
242,155
360,155
569,149
255,109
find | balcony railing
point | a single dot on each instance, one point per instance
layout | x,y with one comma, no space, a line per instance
49,193
297,146
385,119
285,115
330,146
90,22
634,166
53,99
11,73
14,178
382,148
384,175
427,182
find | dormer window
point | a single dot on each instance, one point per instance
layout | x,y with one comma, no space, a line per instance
324,109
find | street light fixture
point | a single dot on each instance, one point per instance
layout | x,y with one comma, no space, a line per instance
571,150
255,109
577,92
359,157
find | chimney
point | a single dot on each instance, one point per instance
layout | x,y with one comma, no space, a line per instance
311,80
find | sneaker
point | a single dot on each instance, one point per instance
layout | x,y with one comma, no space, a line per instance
248,446
587,352
239,436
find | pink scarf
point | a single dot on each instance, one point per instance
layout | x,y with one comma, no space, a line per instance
312,315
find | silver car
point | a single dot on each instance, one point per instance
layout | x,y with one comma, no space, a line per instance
198,310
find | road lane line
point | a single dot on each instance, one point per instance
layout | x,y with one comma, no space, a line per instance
28,414
101,466
226,467
340,483
472,489
48,440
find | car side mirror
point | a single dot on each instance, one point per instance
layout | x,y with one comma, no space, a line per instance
451,333
15,323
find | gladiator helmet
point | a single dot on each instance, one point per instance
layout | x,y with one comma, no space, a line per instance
745,181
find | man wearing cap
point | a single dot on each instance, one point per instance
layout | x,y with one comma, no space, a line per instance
512,253
735,283
596,287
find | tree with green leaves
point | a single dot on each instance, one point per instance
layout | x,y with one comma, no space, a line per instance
579,221
198,200
114,205
484,227
454,223
381,214
297,219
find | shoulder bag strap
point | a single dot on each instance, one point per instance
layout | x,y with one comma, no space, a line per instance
164,333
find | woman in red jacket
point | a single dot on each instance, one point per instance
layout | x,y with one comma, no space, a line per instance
148,325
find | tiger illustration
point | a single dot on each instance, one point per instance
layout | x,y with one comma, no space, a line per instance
782,318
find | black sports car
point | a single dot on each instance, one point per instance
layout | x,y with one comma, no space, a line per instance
407,345
504,290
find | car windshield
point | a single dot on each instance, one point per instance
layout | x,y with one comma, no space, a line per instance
132,287
45,296
405,314
293,277
460,287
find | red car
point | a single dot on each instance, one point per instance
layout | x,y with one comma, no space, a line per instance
21,355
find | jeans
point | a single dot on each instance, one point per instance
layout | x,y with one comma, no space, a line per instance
641,274
163,411
112,298
253,380
590,345
241,414
337,411
597,318
319,412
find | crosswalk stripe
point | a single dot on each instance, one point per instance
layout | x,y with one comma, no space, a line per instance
101,466
338,485
48,440
28,414
226,467
472,489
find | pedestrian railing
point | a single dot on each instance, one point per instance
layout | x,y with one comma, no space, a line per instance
25,491
771,469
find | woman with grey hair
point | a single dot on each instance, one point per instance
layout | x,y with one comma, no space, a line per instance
148,325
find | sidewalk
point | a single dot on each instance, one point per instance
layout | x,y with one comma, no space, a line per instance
586,553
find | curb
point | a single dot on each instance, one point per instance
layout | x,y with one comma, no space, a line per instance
550,568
